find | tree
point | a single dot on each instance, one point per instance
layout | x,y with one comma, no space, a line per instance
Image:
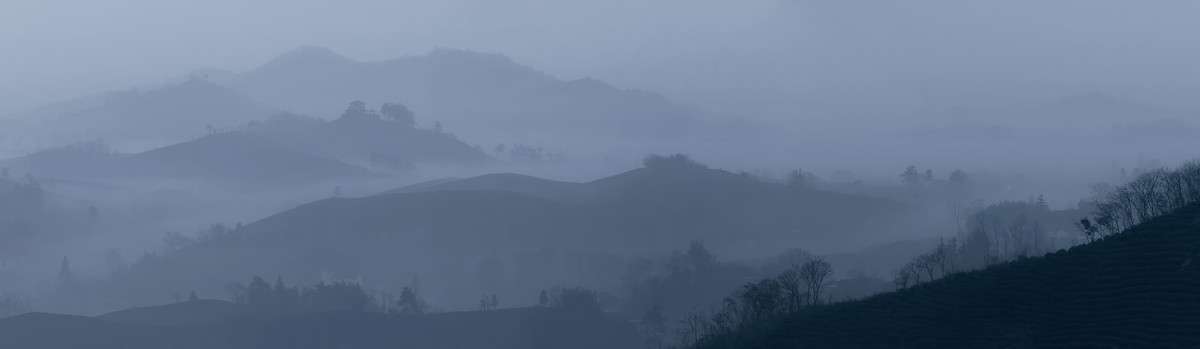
702,261
93,214
815,273
358,109
494,302
1088,229
543,299
64,272
410,302
796,179
193,297
499,150
793,288
911,176
398,113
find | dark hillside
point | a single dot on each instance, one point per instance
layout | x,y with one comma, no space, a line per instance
1140,288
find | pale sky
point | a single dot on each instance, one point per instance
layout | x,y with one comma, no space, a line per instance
768,59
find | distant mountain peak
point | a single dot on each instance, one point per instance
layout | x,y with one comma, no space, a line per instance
306,57
589,84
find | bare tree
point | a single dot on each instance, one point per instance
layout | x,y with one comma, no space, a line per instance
793,288
815,273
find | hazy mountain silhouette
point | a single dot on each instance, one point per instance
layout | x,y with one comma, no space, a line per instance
649,210
159,116
472,91
232,158
368,141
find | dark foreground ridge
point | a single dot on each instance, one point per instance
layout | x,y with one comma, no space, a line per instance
1136,289
217,324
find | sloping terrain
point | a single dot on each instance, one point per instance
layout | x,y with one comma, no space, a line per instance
375,142
476,94
158,116
170,327
1136,289
452,237
231,158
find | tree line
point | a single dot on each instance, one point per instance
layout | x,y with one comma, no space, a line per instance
798,287
1149,195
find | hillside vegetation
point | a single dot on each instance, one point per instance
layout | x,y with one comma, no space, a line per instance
1136,288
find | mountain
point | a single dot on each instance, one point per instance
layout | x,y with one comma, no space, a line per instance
452,233
239,159
474,93
368,141
1139,288
190,325
134,119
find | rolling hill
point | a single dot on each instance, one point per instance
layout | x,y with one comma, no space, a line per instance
454,235
233,158
1139,288
368,141
143,119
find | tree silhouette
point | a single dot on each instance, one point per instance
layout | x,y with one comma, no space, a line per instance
398,113
543,299
911,176
64,272
410,302
815,274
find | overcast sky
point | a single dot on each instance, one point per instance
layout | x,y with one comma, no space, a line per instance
767,59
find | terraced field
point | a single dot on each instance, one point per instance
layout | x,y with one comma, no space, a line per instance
1139,288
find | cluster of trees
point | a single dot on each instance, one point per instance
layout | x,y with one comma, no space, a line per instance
175,241
529,153
793,290
489,303
802,179
1149,195
942,260
337,296
1000,232
394,112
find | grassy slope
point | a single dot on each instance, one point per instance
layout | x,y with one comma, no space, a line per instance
1140,288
